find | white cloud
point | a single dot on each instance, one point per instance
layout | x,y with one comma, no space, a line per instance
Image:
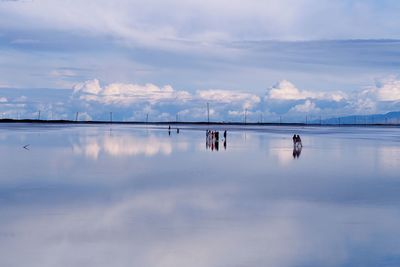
388,89
3,100
285,90
88,87
147,22
306,107
225,96
59,73
128,94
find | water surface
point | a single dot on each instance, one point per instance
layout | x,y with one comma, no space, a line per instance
121,195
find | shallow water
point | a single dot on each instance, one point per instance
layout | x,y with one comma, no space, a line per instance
120,195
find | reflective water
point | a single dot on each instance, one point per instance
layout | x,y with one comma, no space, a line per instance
137,196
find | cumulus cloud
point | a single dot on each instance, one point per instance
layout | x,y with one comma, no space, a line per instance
138,102
161,103
225,96
285,90
306,107
127,94
388,89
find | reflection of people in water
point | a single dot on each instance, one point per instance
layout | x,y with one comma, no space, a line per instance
297,151
297,146
212,140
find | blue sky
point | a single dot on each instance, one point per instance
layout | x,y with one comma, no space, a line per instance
274,58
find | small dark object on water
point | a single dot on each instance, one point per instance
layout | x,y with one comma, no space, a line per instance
26,147
177,130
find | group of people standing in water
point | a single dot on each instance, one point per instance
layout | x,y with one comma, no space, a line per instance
297,140
169,130
212,140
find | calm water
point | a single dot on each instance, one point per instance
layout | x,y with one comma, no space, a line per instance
135,196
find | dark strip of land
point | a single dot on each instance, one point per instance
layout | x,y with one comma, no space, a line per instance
35,121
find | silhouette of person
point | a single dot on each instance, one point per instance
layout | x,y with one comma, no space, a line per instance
225,144
294,139
177,130
299,140
225,134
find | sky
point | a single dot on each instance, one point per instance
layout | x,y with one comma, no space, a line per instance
167,59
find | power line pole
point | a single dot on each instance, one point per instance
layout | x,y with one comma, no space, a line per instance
39,115
147,117
208,112
77,115
111,117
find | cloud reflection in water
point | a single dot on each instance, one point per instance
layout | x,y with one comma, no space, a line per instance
126,145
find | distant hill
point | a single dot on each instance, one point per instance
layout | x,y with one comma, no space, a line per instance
388,118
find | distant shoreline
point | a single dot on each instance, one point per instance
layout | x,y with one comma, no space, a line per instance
35,121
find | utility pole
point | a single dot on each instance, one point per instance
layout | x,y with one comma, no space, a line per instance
306,119
208,112
77,115
39,115
245,116
147,117
280,119
111,118
176,117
